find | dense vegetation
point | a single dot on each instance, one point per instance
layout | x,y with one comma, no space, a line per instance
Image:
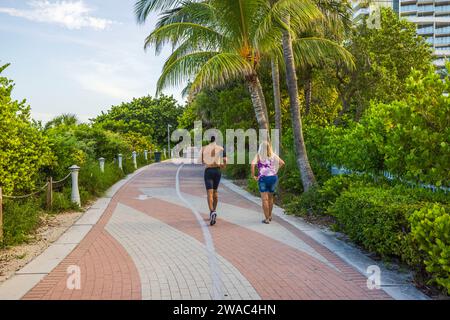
368,100
388,116
31,152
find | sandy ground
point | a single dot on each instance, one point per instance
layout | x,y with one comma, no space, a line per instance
52,227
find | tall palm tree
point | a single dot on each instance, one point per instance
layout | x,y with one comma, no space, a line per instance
277,96
335,24
312,45
306,173
305,51
220,40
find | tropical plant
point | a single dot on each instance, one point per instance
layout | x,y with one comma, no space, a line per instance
147,116
24,150
430,229
384,58
218,41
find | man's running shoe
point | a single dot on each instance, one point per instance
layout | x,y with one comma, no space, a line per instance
213,218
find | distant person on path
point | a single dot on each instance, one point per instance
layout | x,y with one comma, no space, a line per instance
268,164
214,158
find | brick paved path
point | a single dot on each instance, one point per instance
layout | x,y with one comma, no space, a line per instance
153,242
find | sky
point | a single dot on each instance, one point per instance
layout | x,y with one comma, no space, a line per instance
77,56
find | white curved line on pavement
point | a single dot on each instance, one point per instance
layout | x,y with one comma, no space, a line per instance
209,243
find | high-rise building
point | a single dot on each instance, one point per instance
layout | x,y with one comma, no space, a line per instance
363,8
432,18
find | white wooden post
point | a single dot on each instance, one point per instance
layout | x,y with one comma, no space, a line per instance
146,155
120,161
134,159
102,164
75,191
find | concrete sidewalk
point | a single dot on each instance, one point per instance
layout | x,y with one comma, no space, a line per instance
149,239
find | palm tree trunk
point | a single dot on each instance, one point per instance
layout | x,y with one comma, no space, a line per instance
308,90
276,96
307,175
258,100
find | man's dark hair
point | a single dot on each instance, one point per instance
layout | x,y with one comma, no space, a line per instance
213,139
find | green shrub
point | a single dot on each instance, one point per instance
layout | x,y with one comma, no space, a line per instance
414,134
375,218
290,180
318,199
430,229
422,194
21,217
24,150
307,203
252,186
62,201
237,171
95,183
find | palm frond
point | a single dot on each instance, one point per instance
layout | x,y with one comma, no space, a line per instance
176,33
143,8
220,69
190,11
314,51
183,69
303,15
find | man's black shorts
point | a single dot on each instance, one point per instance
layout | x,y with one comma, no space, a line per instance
212,178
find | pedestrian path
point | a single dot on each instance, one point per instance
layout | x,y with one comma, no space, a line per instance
153,241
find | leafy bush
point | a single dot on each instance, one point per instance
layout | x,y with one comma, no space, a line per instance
375,218
290,180
94,183
414,134
145,116
21,217
430,229
61,201
318,199
238,171
307,203
24,150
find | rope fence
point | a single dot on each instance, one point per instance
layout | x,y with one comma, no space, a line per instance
27,195
63,179
74,170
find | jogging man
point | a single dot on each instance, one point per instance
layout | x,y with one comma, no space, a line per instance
214,158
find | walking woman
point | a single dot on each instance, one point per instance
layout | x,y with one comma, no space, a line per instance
268,164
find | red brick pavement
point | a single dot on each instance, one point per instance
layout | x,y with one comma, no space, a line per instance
276,270
107,271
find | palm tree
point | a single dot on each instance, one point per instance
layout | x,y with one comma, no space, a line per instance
310,48
306,51
335,24
66,119
220,40
277,96
306,173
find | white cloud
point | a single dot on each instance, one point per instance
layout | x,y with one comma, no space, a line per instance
108,78
70,14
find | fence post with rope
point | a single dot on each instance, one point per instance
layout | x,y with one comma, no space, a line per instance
134,156
75,197
50,193
102,164
119,158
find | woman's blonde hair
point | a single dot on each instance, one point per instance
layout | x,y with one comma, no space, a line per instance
265,150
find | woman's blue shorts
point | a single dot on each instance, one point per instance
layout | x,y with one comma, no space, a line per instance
267,184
